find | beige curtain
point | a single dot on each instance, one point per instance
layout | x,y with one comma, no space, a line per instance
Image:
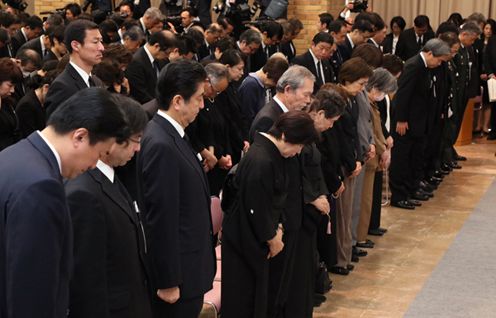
437,10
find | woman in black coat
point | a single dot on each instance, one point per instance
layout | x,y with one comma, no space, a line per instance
252,228
10,73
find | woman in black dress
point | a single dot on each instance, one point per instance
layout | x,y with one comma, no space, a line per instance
252,228
10,73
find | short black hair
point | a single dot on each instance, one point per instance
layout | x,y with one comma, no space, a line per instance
275,67
369,53
326,18
363,26
4,36
250,36
74,7
192,11
7,19
330,101
224,44
34,22
323,37
336,26
92,108
272,28
447,27
134,115
56,32
421,21
9,71
297,127
164,41
186,44
29,56
105,26
55,19
399,21
231,57
392,63
76,31
182,78
377,21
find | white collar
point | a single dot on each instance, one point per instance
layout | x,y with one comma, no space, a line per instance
107,170
24,34
150,56
172,121
374,43
81,73
206,43
143,24
315,59
423,58
278,102
351,41
42,37
52,148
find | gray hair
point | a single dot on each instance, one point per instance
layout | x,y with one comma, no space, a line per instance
294,77
437,47
154,14
216,72
251,36
134,33
382,80
470,27
477,17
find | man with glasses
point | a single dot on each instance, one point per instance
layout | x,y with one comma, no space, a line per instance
142,72
316,59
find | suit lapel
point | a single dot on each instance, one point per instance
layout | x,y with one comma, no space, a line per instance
80,83
36,140
112,191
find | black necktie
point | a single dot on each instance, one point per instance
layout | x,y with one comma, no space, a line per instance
319,72
419,41
91,82
155,66
267,51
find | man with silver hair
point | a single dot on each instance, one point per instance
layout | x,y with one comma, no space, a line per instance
411,120
294,92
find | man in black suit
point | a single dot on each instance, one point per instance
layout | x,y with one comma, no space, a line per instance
360,32
337,29
316,59
57,47
412,40
174,197
249,42
32,29
110,277
271,36
294,91
212,35
40,44
291,28
410,119
142,72
84,44
151,22
36,231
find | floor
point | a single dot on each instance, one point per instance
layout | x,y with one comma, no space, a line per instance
385,282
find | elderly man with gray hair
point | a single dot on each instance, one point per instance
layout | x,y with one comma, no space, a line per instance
411,112
294,92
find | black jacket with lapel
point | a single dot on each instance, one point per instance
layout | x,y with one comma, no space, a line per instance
307,61
33,44
142,77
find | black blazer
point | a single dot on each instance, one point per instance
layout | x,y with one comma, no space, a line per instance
258,59
407,45
387,44
30,113
307,61
35,232
67,83
109,277
413,100
265,119
204,51
175,200
33,44
345,49
17,41
9,124
288,49
142,77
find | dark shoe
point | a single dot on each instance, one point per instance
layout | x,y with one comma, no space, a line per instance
339,270
403,205
455,165
415,202
491,136
429,194
359,252
426,187
355,258
435,180
421,196
366,244
444,170
383,230
447,167
460,158
350,267
376,232
438,174
318,299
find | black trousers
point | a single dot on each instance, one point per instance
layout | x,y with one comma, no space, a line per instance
326,243
433,148
407,162
375,216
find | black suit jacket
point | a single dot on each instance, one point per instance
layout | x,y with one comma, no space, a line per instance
142,77
204,51
30,113
35,233
345,49
33,44
259,58
413,100
17,41
67,83
307,61
387,44
175,200
264,119
407,45
289,50
109,262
